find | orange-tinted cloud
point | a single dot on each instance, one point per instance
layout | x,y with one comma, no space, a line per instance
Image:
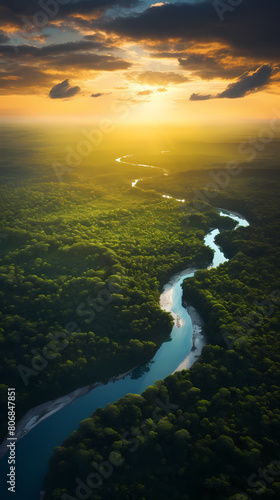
158,78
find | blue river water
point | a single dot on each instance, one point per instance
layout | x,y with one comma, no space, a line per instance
34,450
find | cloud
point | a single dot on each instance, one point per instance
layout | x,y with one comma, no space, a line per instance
13,10
90,62
248,83
200,97
34,69
3,38
63,90
15,80
66,48
79,54
52,50
209,67
251,28
145,92
158,78
100,94
69,56
132,100
188,31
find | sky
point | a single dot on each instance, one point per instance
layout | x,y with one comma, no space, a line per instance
188,61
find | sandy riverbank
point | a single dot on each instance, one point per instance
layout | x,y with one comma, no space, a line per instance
165,300
39,413
198,339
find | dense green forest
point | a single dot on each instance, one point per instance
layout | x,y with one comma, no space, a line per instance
81,270
211,432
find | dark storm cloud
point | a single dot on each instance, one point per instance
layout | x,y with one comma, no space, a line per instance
63,90
248,83
252,28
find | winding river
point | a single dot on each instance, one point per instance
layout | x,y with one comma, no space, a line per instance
60,418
